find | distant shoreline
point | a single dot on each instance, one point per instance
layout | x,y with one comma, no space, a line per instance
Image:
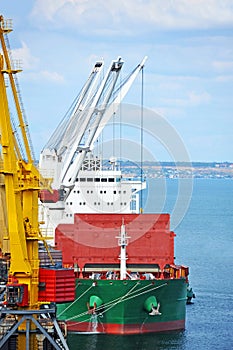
210,170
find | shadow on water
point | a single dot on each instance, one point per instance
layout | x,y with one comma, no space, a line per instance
159,341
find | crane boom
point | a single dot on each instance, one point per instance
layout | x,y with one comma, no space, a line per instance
99,112
72,124
21,186
117,100
99,99
22,183
8,69
94,110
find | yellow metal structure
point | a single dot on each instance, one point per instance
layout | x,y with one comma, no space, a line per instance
4,244
22,185
21,179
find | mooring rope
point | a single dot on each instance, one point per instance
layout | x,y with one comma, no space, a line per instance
107,304
125,298
129,295
68,307
120,299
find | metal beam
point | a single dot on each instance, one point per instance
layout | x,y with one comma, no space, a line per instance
28,316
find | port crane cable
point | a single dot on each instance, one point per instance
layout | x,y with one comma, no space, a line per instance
70,120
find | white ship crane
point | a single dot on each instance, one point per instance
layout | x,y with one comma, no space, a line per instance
65,154
74,124
94,112
99,113
94,108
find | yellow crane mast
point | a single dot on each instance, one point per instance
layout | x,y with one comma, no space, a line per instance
22,186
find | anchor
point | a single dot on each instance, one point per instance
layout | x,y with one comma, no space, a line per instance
155,310
91,309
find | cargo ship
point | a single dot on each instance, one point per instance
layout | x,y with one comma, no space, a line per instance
126,279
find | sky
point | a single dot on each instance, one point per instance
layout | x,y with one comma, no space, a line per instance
188,76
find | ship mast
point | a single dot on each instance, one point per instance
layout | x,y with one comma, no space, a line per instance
123,242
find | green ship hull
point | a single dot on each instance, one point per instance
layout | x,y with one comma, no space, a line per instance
126,306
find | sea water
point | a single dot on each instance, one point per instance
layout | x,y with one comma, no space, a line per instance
204,242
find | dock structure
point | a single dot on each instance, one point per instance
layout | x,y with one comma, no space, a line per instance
42,323
27,314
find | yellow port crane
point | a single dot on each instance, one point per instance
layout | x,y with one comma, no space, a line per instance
22,186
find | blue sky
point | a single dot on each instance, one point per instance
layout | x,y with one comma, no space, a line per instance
188,76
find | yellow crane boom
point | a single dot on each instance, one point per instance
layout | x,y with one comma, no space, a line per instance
22,183
21,186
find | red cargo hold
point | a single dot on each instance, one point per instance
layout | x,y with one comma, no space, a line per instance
93,239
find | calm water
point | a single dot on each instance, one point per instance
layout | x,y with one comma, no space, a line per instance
204,242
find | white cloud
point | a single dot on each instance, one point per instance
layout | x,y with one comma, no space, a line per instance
24,54
223,65
128,16
46,76
23,57
191,99
196,99
46,9
224,78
